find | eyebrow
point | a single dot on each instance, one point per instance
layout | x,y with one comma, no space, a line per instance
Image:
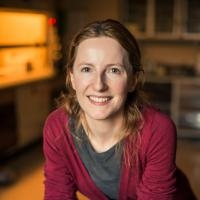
108,65
116,64
84,63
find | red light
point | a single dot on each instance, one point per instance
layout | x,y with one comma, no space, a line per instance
52,21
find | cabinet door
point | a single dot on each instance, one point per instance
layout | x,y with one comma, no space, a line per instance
32,107
16,28
189,107
191,23
168,19
164,16
136,16
153,18
193,16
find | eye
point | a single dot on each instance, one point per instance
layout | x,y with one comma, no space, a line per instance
85,69
115,70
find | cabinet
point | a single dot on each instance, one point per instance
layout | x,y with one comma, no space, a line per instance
188,108
191,26
135,15
32,104
169,19
23,110
179,98
24,46
8,133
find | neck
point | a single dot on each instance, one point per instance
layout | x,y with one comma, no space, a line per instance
103,134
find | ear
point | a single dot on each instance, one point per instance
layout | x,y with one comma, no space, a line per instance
133,83
72,80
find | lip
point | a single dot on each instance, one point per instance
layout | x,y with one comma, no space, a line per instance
99,100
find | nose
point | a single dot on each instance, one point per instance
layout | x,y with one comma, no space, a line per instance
99,83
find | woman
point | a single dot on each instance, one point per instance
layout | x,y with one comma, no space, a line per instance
105,141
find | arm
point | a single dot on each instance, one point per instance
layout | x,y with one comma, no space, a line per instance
59,183
158,180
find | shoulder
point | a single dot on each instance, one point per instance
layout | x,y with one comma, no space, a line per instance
56,122
59,114
157,127
154,118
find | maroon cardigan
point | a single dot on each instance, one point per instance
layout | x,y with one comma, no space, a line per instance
154,177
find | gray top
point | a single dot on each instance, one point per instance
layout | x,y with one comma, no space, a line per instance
104,168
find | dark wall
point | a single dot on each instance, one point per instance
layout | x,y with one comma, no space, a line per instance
29,4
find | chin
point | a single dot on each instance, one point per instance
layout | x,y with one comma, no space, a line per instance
98,116
102,116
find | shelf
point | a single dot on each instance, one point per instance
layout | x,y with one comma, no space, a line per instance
167,21
17,79
23,45
189,108
169,39
179,98
186,81
188,133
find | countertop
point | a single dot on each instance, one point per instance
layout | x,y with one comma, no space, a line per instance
173,79
16,79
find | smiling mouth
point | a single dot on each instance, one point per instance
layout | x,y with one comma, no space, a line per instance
96,99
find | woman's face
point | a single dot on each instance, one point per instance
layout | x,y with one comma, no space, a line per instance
100,78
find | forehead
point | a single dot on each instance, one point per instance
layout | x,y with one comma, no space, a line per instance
100,40
101,45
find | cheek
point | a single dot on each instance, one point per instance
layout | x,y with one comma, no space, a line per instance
120,88
79,84
75,81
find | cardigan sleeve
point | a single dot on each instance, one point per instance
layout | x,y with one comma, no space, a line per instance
158,180
59,183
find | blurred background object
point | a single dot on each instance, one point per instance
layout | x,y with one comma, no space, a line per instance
28,45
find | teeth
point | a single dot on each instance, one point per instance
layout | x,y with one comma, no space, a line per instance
99,99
